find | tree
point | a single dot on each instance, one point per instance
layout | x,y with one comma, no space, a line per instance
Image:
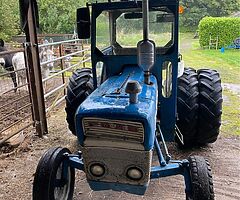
9,19
58,16
195,10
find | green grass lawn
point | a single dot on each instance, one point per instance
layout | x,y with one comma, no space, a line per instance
231,114
131,40
228,65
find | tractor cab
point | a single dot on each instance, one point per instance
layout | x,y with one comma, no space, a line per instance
116,29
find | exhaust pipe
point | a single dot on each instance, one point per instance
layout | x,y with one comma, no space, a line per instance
146,47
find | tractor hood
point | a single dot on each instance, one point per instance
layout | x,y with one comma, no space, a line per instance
110,102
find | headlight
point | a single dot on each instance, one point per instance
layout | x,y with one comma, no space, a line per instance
97,170
134,173
113,129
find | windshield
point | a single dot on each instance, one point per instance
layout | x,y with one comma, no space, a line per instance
129,29
123,29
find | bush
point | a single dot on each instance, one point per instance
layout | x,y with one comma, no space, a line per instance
226,28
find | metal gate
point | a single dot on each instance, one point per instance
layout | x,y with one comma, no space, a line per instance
68,55
15,101
27,104
18,103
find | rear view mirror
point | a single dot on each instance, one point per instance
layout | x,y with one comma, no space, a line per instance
161,18
83,23
133,15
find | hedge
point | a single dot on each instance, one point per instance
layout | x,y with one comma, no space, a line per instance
226,28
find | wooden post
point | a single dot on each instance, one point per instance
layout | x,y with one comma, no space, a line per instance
34,68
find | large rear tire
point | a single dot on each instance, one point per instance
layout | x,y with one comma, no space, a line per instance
201,179
79,88
210,106
187,106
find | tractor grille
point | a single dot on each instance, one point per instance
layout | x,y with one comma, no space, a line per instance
113,129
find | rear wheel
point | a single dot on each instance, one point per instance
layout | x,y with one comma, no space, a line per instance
79,87
187,106
210,105
49,183
201,179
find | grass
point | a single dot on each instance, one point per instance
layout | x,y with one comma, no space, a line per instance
131,40
227,63
231,114
74,61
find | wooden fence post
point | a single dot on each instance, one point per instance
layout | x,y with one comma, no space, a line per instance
29,15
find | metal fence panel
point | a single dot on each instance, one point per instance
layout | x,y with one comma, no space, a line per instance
15,100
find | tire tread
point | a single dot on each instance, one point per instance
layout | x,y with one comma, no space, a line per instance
201,179
210,105
79,88
187,105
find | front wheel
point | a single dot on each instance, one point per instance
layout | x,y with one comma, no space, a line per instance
201,179
49,183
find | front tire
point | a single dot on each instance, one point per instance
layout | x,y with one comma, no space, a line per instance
201,179
48,182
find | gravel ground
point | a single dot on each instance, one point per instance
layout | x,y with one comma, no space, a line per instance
18,167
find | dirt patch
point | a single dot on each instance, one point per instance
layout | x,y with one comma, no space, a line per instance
15,107
17,170
235,88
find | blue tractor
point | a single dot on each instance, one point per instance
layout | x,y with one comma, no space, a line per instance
136,96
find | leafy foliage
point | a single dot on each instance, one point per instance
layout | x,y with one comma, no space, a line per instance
9,19
226,29
195,10
58,16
